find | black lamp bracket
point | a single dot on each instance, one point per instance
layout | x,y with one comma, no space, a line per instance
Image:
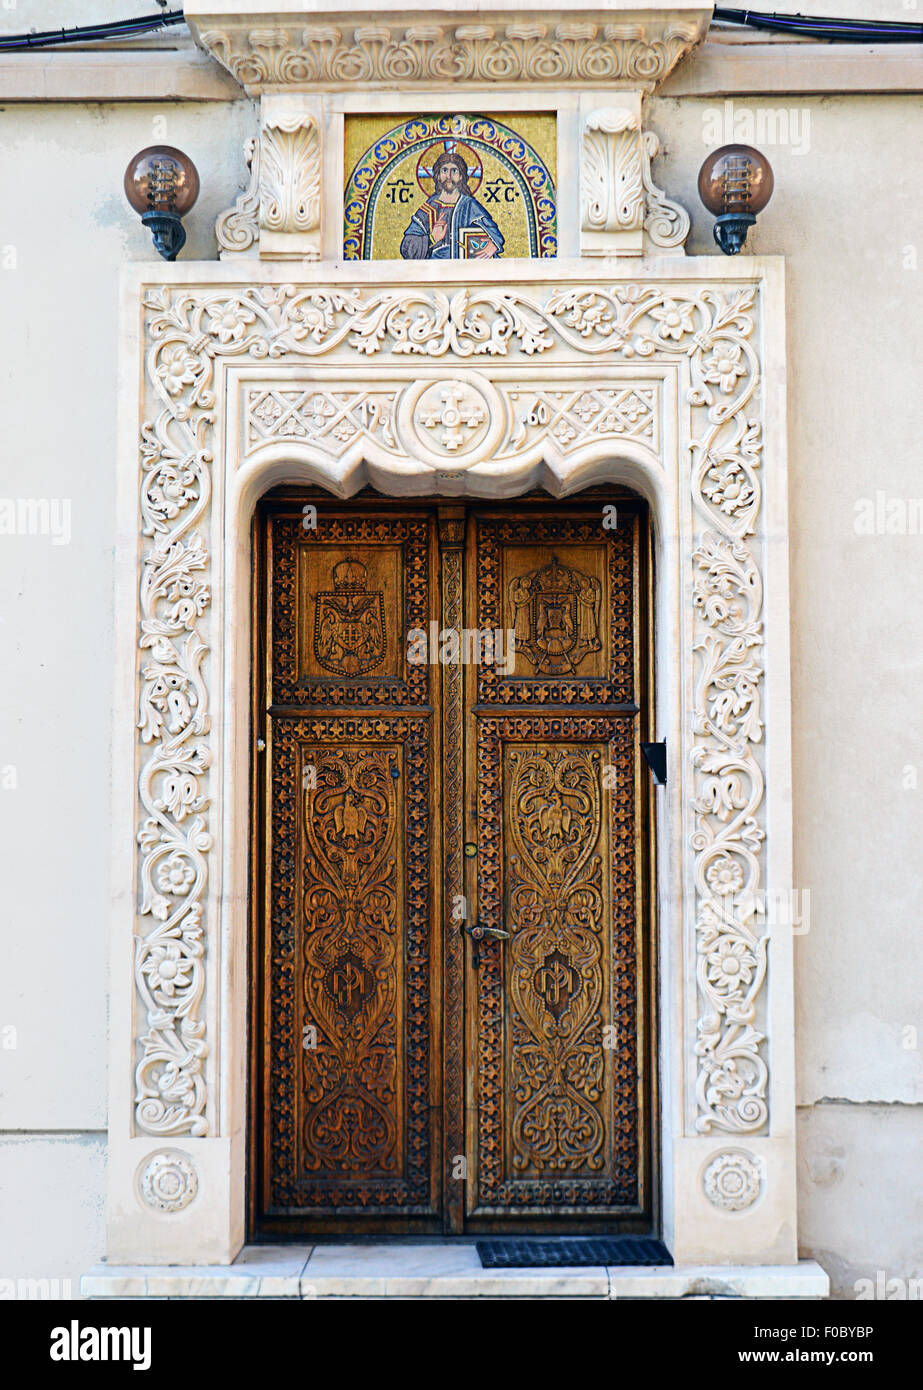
731,230
168,232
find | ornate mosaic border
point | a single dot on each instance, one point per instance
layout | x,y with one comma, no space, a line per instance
479,132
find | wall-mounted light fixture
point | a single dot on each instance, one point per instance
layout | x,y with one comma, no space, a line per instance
735,183
162,184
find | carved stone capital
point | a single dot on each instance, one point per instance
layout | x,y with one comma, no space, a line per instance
277,51
289,181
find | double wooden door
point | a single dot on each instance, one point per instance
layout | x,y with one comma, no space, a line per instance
452,1023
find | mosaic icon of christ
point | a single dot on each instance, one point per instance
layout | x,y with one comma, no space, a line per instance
451,224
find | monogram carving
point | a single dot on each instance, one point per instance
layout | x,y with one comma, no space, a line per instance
349,623
556,617
556,982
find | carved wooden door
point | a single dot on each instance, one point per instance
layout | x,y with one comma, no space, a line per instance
350,944
416,1071
557,1078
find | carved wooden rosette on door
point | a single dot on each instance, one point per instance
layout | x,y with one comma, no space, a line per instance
350,1027
557,1083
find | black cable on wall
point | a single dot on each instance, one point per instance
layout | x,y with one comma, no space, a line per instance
116,29
842,30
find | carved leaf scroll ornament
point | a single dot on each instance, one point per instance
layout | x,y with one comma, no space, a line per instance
612,185
290,175
709,333
237,228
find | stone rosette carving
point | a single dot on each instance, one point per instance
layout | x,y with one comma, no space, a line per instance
707,333
167,1181
638,51
733,1180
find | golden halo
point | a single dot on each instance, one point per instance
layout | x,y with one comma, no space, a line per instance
472,161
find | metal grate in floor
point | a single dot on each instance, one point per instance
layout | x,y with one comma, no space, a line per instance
567,1253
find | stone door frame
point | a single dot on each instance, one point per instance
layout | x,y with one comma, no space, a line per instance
667,377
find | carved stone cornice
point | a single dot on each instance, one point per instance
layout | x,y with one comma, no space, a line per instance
635,48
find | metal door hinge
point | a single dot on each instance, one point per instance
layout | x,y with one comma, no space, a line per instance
656,755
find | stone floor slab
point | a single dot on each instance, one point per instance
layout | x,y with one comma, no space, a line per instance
450,1269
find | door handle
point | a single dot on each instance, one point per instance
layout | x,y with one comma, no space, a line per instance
477,931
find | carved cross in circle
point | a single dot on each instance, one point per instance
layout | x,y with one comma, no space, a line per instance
457,416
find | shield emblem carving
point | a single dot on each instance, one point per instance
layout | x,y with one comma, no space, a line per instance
349,623
556,613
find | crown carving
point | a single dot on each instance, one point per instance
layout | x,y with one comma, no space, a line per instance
349,576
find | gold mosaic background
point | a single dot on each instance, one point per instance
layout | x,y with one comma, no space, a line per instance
392,217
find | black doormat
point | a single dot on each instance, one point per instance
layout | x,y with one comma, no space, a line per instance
563,1252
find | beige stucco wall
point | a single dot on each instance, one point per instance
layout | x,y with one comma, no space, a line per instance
846,217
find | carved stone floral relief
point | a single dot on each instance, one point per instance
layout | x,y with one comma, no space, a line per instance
621,204
316,55
705,335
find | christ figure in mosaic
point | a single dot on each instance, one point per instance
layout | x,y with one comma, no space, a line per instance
451,223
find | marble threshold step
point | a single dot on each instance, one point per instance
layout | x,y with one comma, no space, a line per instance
450,1270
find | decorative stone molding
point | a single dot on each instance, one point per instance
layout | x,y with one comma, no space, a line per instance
290,175
620,203
733,1180
707,333
280,213
237,229
663,380
612,188
456,424
665,222
168,1181
282,52
290,183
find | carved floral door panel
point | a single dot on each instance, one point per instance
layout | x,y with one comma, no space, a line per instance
350,1026
557,1080
391,1043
